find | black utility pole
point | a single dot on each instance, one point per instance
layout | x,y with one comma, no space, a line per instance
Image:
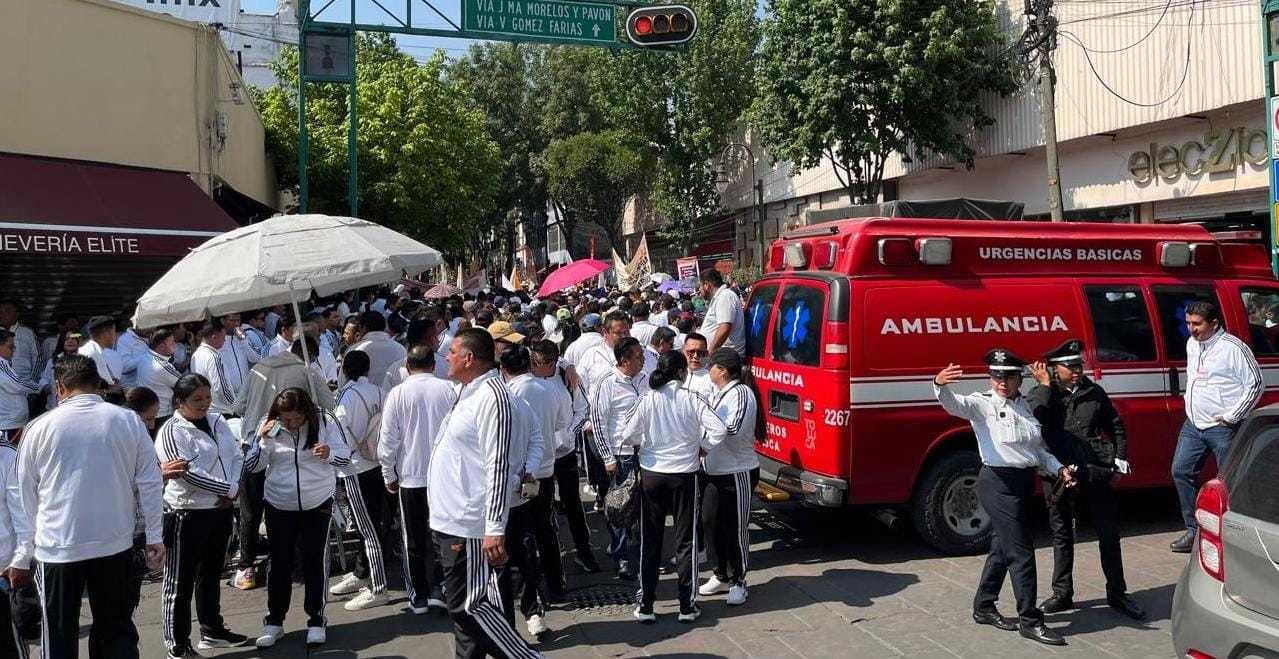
1040,41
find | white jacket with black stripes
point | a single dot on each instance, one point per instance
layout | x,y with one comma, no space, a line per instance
295,478
735,404
1223,381
473,473
612,398
207,361
14,390
157,373
214,462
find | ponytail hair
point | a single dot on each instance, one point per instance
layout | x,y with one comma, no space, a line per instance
671,367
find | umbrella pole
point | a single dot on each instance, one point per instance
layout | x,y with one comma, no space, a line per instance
300,335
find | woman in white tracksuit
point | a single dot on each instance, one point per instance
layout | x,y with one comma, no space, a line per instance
670,426
359,408
198,517
732,469
298,445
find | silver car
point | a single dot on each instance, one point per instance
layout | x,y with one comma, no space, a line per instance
1227,600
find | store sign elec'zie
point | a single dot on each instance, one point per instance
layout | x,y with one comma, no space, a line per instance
1220,150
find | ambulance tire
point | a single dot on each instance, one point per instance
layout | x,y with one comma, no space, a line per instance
953,470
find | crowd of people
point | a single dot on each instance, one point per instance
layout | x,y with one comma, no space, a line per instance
461,425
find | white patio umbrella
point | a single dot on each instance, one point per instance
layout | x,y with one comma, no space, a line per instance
280,261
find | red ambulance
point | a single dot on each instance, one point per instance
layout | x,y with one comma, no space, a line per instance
855,317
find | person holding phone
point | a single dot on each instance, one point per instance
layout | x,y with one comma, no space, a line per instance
198,517
299,446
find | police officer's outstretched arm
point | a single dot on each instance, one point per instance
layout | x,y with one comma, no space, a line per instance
964,407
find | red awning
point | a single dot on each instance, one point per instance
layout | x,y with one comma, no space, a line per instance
89,238
713,248
74,208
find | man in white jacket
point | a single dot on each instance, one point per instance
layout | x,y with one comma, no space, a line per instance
83,527
14,390
1223,384
411,418
473,475
14,526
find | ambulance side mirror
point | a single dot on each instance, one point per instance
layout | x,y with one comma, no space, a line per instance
934,251
1174,254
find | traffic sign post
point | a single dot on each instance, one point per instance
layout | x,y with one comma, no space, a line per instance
571,22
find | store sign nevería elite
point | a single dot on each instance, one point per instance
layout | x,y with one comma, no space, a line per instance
1220,150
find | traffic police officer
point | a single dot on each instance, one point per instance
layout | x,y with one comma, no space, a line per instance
1011,447
1081,428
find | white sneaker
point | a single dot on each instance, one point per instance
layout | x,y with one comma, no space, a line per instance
589,490
736,595
712,587
645,617
436,603
270,634
690,615
537,626
367,599
420,610
349,584
315,636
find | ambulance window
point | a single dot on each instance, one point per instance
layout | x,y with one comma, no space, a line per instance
758,311
1172,302
1121,324
1262,305
797,335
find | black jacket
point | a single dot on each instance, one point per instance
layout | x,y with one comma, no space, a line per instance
1081,427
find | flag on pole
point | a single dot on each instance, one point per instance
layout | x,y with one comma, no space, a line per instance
621,273
460,280
516,281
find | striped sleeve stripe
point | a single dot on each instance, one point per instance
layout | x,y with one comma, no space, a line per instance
1255,389
226,391
13,375
215,486
497,500
336,460
168,442
599,428
739,410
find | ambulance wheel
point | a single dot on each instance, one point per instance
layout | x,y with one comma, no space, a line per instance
945,509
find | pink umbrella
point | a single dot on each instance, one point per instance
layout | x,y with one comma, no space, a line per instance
571,275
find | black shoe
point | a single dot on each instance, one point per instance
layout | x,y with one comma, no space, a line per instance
1127,606
1057,604
184,653
1039,633
1183,544
220,638
586,561
994,619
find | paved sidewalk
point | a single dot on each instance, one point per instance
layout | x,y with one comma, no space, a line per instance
823,584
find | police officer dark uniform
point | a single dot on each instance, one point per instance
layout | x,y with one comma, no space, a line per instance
1011,448
1083,429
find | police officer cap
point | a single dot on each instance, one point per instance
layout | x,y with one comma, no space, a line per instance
1069,352
999,359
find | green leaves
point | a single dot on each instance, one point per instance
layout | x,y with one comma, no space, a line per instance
594,174
853,81
427,165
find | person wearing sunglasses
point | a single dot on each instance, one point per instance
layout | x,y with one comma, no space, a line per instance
699,375
1082,428
1011,446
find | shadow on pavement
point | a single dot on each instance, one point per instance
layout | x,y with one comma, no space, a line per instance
1095,615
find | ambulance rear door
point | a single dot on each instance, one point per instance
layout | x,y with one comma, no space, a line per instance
798,345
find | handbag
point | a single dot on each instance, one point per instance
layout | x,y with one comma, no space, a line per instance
621,503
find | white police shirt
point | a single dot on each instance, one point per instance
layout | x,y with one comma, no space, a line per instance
1008,435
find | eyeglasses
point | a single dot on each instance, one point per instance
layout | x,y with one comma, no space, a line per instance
696,353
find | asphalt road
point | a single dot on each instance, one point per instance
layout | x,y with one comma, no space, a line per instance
823,584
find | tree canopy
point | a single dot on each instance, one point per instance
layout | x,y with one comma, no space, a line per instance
428,166
852,81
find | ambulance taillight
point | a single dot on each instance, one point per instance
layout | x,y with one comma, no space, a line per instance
835,345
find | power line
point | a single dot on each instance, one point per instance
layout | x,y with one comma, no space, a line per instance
1138,42
1185,74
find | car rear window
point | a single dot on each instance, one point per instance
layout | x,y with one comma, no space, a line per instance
797,334
758,312
1252,486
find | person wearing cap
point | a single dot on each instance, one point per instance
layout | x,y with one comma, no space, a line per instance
1082,428
732,471
1011,447
591,325
101,349
504,335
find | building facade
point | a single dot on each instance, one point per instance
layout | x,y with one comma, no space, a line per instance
1198,153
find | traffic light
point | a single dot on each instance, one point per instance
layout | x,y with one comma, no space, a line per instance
661,25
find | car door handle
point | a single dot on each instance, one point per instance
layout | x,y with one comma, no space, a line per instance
1174,382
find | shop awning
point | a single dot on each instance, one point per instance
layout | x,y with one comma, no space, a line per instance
50,206
87,238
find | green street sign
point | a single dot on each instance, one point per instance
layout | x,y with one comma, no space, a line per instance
581,22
